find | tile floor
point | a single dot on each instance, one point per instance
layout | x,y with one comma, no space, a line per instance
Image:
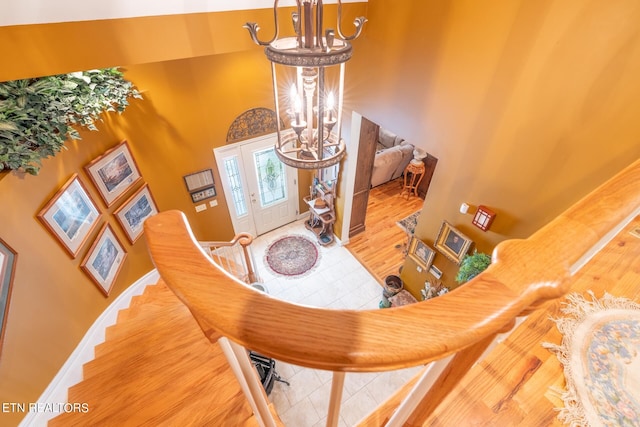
337,281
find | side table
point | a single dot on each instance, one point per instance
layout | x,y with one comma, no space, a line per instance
413,174
320,222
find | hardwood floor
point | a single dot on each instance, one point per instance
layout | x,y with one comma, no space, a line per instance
512,386
156,368
380,247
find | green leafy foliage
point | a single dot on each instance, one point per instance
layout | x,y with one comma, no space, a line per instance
38,115
472,265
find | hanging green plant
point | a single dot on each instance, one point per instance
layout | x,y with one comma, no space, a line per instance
37,116
472,265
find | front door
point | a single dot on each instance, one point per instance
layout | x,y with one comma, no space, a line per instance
261,191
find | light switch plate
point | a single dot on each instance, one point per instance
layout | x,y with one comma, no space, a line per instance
202,207
213,203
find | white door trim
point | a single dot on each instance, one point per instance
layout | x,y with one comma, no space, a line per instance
351,164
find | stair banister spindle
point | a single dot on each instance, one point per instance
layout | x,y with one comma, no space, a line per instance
424,384
244,371
337,385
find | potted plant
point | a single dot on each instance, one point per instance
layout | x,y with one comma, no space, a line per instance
38,115
472,265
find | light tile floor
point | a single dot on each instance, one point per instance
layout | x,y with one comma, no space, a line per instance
337,281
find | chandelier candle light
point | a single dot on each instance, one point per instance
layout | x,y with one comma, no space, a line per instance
313,141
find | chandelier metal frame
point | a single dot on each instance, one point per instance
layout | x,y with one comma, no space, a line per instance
313,140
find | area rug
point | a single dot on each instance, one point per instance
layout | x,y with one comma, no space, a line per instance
600,353
408,224
291,256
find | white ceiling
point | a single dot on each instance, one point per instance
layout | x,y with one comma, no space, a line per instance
21,12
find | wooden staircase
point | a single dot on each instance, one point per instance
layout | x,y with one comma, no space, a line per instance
156,368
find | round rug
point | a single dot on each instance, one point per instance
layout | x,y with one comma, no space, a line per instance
600,353
291,256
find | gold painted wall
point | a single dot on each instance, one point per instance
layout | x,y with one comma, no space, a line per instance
187,109
527,105
197,73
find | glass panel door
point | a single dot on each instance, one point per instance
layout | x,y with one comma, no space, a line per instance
260,191
272,184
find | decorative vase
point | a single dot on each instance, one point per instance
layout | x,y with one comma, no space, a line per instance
392,285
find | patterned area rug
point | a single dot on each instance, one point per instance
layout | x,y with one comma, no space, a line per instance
408,224
600,352
291,256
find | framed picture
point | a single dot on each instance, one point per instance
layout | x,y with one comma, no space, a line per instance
199,180
207,193
135,211
8,259
452,243
70,215
104,260
114,173
200,185
435,271
421,253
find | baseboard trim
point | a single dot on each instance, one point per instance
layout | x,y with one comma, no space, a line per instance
71,372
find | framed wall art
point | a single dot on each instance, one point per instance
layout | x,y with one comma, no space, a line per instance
421,253
200,185
199,180
114,172
135,211
70,215
8,258
104,259
452,243
207,193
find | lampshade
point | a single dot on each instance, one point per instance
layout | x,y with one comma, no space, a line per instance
308,85
418,155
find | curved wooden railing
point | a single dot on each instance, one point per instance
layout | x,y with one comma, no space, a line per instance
524,274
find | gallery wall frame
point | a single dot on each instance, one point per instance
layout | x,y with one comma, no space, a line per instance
204,194
114,173
421,253
132,214
198,180
104,259
452,243
8,262
200,185
70,215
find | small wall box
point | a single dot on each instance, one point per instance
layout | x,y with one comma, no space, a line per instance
483,218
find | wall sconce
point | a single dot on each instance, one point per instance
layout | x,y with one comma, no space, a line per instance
483,218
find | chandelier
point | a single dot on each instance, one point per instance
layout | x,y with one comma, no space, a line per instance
312,101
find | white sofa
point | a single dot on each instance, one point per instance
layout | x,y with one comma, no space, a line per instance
392,157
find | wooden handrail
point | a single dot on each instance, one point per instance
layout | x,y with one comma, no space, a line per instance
524,273
244,239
